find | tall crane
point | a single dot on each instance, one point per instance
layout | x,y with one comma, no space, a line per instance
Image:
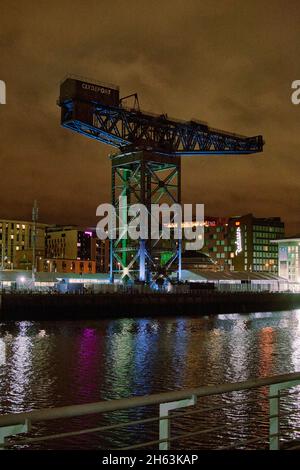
147,166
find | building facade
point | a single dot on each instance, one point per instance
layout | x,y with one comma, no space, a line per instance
100,253
217,242
252,240
289,258
75,249
243,243
58,265
16,243
198,261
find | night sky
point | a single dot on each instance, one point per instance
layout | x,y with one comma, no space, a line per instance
230,63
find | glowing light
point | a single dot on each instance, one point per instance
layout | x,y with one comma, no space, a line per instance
125,271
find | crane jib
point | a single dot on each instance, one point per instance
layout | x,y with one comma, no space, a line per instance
96,111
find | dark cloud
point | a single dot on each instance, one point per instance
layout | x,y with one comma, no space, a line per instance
227,62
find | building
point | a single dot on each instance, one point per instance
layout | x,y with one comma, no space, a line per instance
13,281
16,243
19,280
195,260
74,249
251,239
242,243
289,258
100,253
217,242
58,265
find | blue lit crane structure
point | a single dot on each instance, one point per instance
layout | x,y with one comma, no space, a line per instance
146,169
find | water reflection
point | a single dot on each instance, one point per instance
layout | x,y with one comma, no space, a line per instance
58,363
295,356
88,347
2,352
21,370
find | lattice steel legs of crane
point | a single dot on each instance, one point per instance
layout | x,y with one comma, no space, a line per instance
144,178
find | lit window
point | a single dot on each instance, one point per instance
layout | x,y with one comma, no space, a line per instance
23,226
12,237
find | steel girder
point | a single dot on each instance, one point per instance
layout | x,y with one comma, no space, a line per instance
144,178
130,130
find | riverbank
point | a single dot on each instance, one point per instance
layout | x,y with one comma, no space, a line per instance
97,306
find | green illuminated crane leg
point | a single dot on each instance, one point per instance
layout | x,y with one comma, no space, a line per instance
126,174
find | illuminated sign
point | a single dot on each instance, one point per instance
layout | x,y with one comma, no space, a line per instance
238,241
210,223
96,88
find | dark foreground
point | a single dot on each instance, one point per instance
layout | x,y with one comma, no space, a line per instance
97,306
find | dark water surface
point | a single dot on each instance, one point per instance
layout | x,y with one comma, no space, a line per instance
47,364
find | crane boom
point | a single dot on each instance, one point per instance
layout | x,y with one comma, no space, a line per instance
105,119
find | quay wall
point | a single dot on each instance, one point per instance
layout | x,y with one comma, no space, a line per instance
96,306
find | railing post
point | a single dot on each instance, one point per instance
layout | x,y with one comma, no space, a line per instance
164,424
13,430
274,417
274,427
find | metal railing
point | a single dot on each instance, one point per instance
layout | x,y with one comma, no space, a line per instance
274,389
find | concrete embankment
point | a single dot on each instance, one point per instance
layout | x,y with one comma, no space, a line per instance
97,306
